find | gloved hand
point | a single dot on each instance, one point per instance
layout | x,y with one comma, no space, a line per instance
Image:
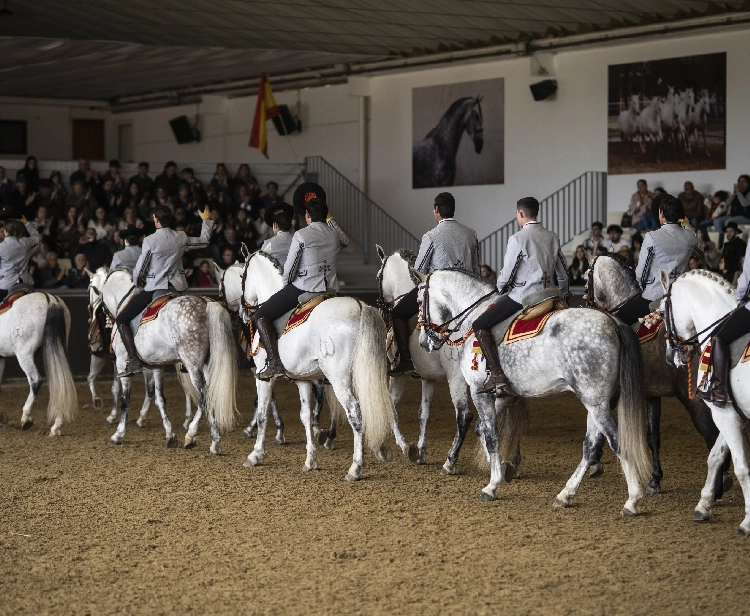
205,214
329,218
23,220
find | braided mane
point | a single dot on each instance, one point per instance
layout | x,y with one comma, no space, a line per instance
407,255
711,276
274,261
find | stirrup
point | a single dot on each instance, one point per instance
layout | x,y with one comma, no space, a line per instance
714,396
132,367
500,386
270,371
405,366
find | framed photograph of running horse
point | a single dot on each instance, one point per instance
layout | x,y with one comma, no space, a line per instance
458,134
667,115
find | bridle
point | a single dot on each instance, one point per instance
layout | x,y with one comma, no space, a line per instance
590,295
385,307
439,334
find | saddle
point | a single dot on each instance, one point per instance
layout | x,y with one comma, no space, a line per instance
739,352
306,304
13,294
649,327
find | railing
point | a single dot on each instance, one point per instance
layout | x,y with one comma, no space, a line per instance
568,211
358,215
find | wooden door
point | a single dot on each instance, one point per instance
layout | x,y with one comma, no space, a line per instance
88,139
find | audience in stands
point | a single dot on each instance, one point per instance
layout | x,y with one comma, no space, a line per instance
733,250
205,276
640,208
616,241
578,268
692,202
694,263
711,253
6,186
596,238
488,274
738,204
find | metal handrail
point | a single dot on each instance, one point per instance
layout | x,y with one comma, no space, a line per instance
363,220
568,212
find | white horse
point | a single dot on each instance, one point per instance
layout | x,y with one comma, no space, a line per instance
693,305
649,125
628,121
699,118
580,350
40,320
668,117
98,362
685,101
189,329
343,341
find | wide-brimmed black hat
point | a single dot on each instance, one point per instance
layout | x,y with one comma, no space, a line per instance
306,192
132,230
278,208
7,212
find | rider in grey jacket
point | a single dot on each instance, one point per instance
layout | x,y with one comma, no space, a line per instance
15,253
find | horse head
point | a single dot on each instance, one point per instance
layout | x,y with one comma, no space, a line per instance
611,282
473,124
635,103
96,282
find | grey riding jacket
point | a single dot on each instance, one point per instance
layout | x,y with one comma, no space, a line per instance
311,263
127,257
278,246
15,253
449,245
668,248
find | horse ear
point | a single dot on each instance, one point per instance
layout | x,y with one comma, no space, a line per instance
381,252
664,279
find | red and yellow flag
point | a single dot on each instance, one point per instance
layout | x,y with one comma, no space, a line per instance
265,109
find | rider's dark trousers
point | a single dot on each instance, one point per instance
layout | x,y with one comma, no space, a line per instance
279,303
134,307
737,325
407,306
503,309
635,309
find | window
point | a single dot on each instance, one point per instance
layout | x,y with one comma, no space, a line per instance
12,137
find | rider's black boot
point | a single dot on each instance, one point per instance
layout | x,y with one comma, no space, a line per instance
401,333
133,365
497,383
273,367
718,393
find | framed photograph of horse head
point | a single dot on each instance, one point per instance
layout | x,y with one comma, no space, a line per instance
458,134
667,115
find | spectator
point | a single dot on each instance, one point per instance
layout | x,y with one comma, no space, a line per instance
246,231
244,201
601,250
128,219
725,273
710,252
215,200
78,277
694,263
716,207
271,196
84,174
218,230
243,176
264,232
228,258
113,173
111,199
205,277
197,190
80,197
615,243
17,202
640,208
578,267
96,252
58,188
30,172
48,198
223,186
627,254
738,205
101,224
135,200
733,250
47,227
636,243
596,238
184,198
228,240
160,199
142,181
486,272
69,231
6,186
692,202
51,275
168,180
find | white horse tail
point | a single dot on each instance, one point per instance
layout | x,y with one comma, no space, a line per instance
187,386
631,409
63,400
221,399
512,425
338,414
370,379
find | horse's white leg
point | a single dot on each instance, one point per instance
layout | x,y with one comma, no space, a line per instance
95,367
148,379
463,420
565,497
487,431
188,410
730,426
116,438
409,449
715,462
353,412
199,382
318,389
428,392
115,389
26,361
258,454
157,383
3,414
279,439
306,415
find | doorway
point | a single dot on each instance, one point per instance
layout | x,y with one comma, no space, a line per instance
88,139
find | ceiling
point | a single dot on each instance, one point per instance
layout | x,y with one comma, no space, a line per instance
101,49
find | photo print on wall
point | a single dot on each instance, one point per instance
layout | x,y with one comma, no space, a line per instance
667,115
458,134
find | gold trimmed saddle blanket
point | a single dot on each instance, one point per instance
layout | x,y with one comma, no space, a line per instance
648,328
739,353
11,299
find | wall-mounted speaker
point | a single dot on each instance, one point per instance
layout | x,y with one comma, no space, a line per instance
285,122
183,131
543,89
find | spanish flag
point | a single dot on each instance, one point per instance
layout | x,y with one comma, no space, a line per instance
265,109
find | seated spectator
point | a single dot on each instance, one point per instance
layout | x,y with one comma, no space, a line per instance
246,231
694,263
716,207
168,180
48,198
601,250
6,186
179,218
223,185
724,272
78,277
244,201
205,276
184,198
640,208
160,198
85,174
596,238
110,198
627,254
488,274
81,198
615,243
113,173
58,187
51,275
692,202
17,202
228,240
636,243
197,190
711,253
215,200
243,175
30,172
738,205
101,224
578,267
228,258
129,219
96,252
264,232
135,200
142,181
47,227
69,231
272,194
218,230
733,250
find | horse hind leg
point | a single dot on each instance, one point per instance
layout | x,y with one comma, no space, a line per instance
149,379
654,444
279,439
591,450
119,435
715,460
354,415
250,431
306,415
258,454
28,365
428,393
463,421
157,383
115,389
95,367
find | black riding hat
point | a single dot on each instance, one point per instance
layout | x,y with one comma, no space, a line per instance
7,212
306,192
132,231
278,208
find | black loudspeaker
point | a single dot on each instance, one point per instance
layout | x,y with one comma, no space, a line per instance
182,130
543,89
286,123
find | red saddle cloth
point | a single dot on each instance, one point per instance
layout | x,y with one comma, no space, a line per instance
10,300
649,327
523,329
301,313
154,307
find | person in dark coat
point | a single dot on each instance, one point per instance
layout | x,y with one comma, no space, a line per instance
169,180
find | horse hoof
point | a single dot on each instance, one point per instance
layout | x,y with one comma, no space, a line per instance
562,503
701,516
596,470
329,443
412,453
384,454
350,477
627,512
507,472
421,459
728,482
141,423
743,532
214,452
254,459
172,442
115,441
27,424
653,488
97,403
448,469
190,442
279,440
321,437
312,467
486,498
3,418
110,421
55,432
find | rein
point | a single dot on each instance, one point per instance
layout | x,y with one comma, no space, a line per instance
590,295
385,307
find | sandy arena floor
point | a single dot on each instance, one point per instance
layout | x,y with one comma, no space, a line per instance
87,528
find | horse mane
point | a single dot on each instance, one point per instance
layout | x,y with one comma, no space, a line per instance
408,256
274,261
624,265
475,277
119,268
713,276
451,111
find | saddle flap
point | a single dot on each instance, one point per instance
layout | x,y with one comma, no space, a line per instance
152,311
303,311
545,306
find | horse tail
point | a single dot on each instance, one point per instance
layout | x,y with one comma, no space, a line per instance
338,414
631,409
512,424
370,379
63,400
221,392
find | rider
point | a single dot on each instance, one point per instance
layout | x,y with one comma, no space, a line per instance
128,256
279,216
310,267
737,325
15,253
449,245
532,258
159,267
